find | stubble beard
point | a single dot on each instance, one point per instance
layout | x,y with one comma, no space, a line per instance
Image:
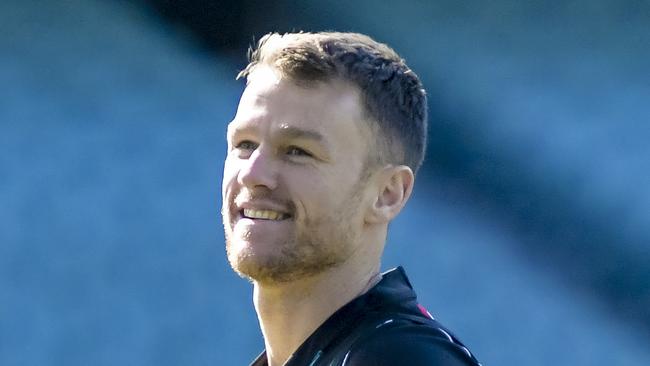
315,247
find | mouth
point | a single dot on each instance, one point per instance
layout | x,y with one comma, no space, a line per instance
270,215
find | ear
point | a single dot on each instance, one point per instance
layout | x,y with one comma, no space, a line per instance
395,184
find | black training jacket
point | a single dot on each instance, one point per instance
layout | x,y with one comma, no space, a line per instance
383,327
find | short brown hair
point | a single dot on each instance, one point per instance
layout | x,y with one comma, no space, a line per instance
391,92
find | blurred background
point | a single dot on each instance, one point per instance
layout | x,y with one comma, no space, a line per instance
528,234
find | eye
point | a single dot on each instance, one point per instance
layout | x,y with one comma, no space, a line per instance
245,148
246,145
296,151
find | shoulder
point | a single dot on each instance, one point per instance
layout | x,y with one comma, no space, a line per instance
409,344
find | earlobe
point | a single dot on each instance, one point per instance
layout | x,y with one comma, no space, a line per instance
395,185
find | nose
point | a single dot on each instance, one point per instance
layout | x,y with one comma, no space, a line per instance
258,171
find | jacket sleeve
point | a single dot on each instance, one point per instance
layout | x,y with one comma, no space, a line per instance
411,345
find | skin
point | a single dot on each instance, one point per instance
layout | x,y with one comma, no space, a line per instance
300,153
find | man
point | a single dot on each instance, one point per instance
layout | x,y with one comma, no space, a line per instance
322,155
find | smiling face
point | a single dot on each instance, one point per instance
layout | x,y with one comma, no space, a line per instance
294,192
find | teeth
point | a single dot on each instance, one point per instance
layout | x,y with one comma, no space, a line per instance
263,214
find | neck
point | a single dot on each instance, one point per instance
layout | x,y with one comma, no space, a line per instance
290,312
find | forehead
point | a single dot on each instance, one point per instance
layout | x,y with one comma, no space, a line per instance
272,103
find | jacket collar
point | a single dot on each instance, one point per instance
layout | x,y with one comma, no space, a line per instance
393,293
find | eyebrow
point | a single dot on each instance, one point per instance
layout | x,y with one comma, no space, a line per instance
285,131
299,133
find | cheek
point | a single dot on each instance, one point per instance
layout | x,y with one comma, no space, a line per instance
229,179
321,196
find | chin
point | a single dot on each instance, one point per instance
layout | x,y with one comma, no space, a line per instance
248,263
258,271
274,268
280,259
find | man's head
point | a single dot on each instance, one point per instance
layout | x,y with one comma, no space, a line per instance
392,96
322,154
